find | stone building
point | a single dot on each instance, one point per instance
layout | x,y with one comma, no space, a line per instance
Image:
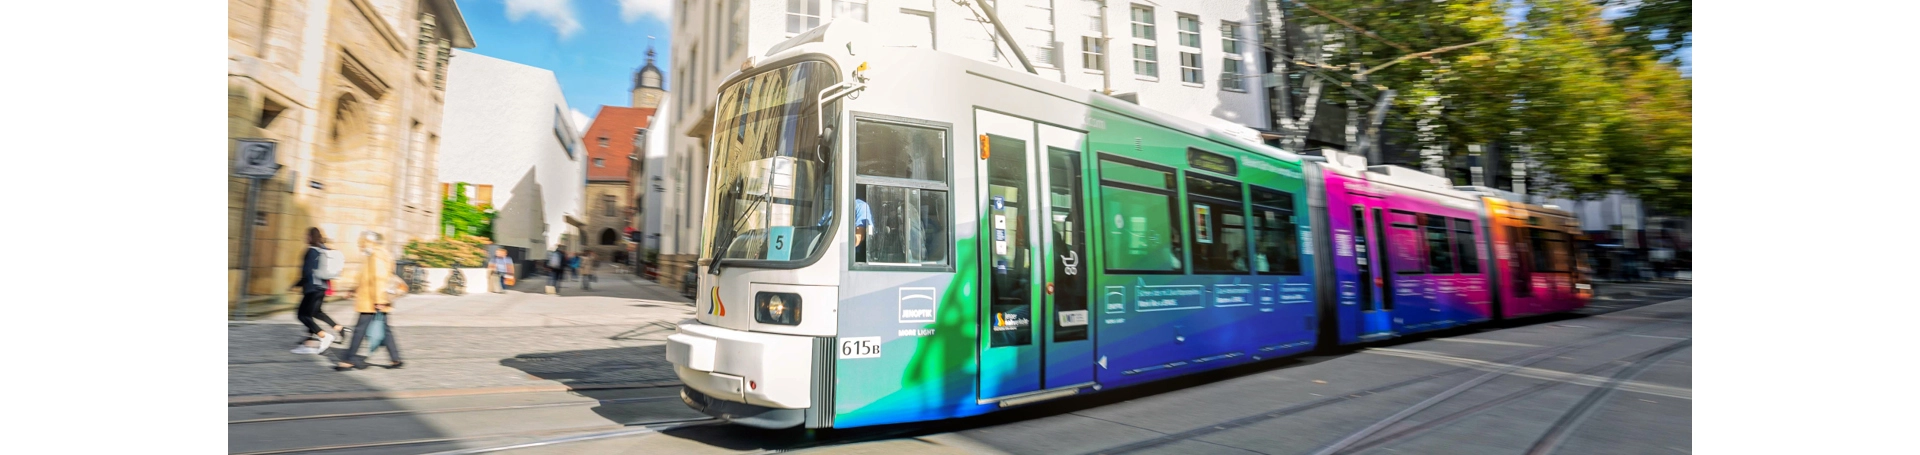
613,142
351,90
510,136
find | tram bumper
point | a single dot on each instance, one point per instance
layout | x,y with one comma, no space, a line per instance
754,379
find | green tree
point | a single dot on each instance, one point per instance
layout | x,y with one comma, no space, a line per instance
1661,27
1568,88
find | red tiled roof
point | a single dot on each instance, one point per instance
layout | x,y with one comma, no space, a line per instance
616,124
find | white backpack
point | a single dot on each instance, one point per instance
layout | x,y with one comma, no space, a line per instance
331,263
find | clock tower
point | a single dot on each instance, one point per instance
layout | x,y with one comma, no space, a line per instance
646,84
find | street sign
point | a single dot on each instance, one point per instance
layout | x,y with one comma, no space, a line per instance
257,158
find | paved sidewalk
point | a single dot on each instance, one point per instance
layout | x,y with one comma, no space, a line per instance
616,299
612,335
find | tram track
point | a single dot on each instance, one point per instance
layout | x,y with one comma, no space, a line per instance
1634,363
564,434
503,420
349,415
1510,363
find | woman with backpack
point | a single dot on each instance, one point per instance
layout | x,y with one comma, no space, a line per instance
317,271
373,303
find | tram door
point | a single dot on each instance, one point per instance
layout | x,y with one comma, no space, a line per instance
1370,258
1035,333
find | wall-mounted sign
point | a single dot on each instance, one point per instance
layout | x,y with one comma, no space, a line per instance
257,158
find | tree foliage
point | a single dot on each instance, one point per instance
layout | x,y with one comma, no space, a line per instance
1661,27
1594,111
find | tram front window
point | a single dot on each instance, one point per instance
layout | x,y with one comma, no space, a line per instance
772,193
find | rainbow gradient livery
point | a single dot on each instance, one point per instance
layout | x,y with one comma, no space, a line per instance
898,235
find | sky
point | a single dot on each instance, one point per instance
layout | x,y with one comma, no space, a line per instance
592,46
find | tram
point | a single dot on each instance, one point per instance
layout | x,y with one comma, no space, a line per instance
898,235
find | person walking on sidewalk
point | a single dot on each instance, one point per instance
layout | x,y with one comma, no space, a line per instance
585,261
573,265
502,268
313,292
556,269
370,299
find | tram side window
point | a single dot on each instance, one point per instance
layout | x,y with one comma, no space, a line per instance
1549,250
1219,226
1464,248
1404,242
1142,227
1276,237
901,185
1439,253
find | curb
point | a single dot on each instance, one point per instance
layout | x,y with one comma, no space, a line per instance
256,400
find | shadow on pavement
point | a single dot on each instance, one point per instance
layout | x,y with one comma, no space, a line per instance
274,427
624,365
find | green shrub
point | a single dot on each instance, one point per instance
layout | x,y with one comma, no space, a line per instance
465,251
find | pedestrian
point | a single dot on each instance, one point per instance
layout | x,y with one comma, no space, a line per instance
573,265
502,268
314,284
585,260
556,269
370,299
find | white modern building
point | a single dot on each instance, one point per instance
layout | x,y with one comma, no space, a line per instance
653,184
509,134
1194,59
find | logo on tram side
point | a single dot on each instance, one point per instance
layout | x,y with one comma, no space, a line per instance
917,305
717,309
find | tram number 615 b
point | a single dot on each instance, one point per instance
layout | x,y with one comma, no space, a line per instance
859,348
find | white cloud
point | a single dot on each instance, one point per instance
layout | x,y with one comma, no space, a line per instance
633,10
581,120
558,13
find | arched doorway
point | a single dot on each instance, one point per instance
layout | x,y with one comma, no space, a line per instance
608,237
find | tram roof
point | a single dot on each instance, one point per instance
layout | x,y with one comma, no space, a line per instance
841,33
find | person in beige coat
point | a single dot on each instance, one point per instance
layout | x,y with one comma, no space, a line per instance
370,297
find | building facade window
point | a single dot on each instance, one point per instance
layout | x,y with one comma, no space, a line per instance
424,48
737,33
1190,68
1189,30
1146,62
603,142
608,205
416,166
1230,77
598,162
1040,37
1095,16
803,15
1230,38
1092,56
1142,22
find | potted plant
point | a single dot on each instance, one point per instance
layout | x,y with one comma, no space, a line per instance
444,257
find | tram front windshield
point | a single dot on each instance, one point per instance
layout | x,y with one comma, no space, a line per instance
773,168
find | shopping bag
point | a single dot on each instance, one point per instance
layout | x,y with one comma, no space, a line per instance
376,332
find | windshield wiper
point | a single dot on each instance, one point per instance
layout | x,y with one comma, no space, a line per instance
721,247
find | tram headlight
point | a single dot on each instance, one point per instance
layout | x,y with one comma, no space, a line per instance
781,308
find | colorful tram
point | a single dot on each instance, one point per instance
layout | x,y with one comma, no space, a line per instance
899,235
